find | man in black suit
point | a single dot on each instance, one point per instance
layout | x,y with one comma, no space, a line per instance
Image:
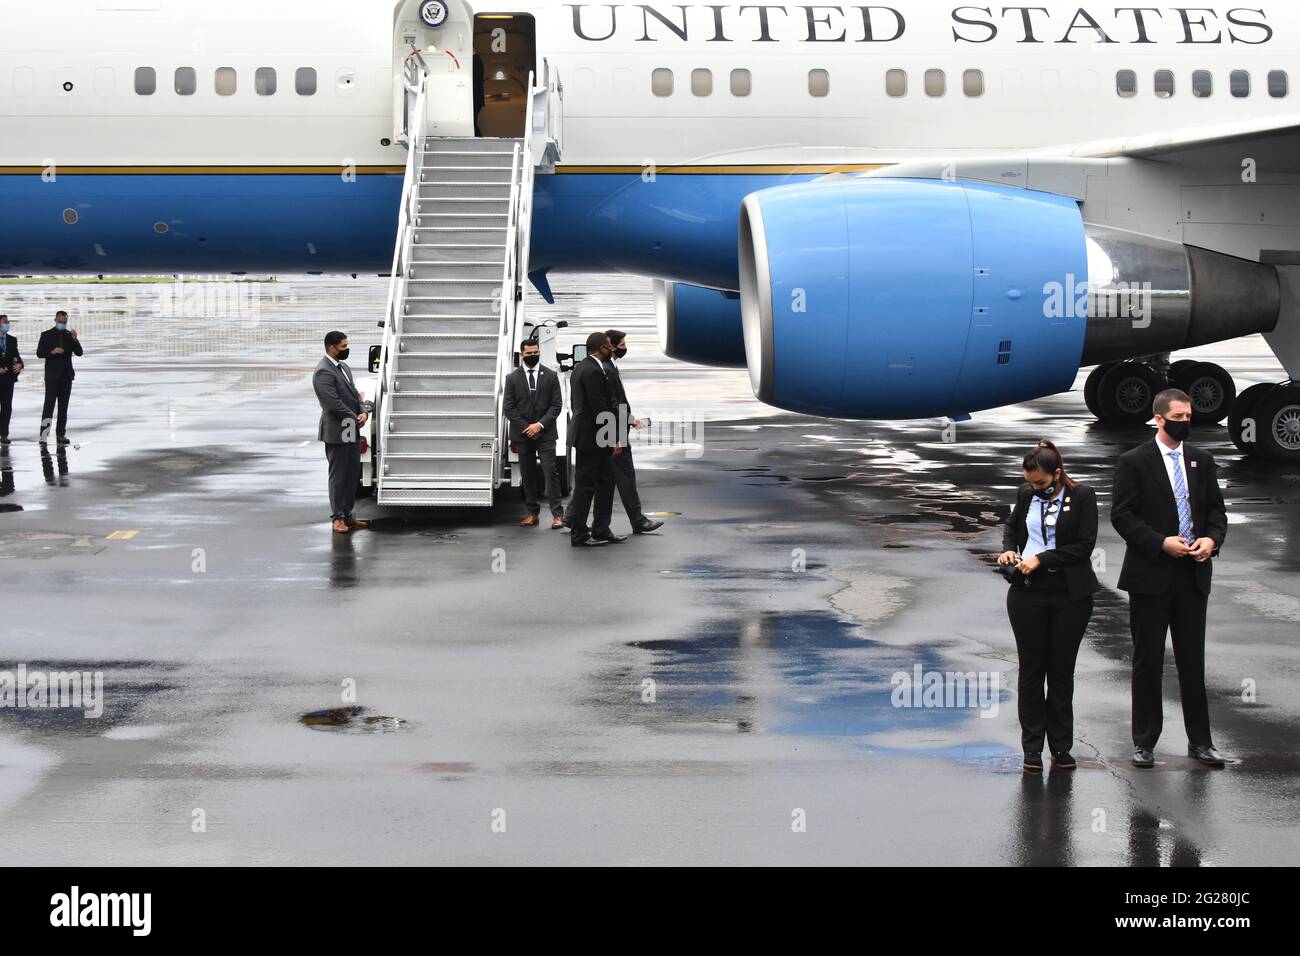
11,366
1168,507
341,421
533,403
624,468
57,346
597,441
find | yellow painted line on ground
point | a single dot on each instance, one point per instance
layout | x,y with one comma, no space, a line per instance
122,535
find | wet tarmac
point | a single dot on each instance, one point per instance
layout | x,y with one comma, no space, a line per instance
455,689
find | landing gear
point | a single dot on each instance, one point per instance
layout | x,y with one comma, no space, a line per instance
1125,392
1273,422
1210,387
1242,426
1121,393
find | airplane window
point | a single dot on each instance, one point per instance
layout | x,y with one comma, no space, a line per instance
742,83
305,81
896,82
264,80
702,82
936,84
146,81
1202,83
1164,84
819,82
1239,84
1278,84
186,81
661,82
972,82
227,81
1126,83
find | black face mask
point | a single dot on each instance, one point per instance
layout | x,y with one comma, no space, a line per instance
620,353
343,356
1048,493
1178,431
532,360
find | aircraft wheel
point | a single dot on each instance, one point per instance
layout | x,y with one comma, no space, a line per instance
1090,388
1179,371
1243,410
1126,392
1212,391
1277,422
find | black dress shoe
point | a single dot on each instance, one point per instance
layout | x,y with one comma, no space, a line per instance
1142,757
1063,760
1033,763
647,526
586,543
1206,755
609,538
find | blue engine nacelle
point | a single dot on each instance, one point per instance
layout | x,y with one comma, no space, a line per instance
700,326
906,298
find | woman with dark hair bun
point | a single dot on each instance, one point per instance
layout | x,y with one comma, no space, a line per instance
1048,547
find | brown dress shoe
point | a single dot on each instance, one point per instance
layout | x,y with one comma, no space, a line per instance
358,525
557,523
341,527
529,521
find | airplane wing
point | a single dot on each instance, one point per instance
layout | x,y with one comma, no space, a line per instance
1273,143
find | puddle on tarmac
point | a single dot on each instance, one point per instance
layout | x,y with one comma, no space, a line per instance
806,674
354,720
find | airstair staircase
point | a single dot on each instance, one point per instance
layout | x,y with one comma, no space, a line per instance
455,313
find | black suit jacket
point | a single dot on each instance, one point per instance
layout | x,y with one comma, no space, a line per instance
58,368
1076,538
1144,512
523,408
10,356
620,393
594,409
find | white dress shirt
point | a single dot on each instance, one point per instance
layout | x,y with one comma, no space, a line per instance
1040,538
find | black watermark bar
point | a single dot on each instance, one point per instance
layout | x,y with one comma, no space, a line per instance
307,904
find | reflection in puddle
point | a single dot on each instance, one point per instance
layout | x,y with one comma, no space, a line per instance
784,673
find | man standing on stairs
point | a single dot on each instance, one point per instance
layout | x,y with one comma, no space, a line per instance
341,421
533,404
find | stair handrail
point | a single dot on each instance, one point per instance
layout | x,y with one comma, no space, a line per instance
402,252
507,324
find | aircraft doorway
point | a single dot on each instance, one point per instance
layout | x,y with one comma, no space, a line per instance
505,53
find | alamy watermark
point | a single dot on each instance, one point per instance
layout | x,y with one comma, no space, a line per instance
25,689
978,690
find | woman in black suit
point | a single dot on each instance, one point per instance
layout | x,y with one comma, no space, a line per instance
1049,540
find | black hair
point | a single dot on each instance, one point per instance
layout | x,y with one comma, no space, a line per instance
57,314
334,339
615,336
527,342
1046,457
597,341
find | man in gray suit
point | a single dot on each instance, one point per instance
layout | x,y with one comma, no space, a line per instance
533,404
341,421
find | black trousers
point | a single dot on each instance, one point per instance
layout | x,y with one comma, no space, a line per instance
1181,613
56,392
625,479
594,482
1049,628
536,477
345,473
7,383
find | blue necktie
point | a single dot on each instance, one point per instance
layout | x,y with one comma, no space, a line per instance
1184,504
